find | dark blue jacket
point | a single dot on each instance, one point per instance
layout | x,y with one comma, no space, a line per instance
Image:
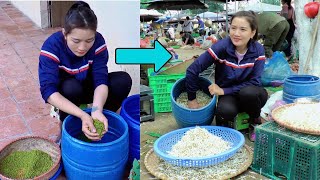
58,62
229,75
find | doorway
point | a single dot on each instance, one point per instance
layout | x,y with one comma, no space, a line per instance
57,11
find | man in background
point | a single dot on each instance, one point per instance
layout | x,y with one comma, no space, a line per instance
274,28
187,25
187,38
201,26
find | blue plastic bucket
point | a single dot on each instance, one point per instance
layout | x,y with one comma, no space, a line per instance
290,98
130,111
299,86
105,159
186,117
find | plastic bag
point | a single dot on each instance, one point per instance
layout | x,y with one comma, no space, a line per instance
274,101
206,44
275,69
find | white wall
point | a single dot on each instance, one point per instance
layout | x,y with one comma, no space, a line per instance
119,23
30,9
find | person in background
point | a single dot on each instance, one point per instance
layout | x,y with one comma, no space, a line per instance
274,28
179,26
173,53
170,33
239,62
187,25
201,26
187,38
73,70
288,13
170,49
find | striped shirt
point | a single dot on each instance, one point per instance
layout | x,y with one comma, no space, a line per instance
58,62
230,74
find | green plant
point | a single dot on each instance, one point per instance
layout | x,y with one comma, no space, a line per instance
135,171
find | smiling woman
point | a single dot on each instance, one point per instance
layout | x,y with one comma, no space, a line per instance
73,71
239,62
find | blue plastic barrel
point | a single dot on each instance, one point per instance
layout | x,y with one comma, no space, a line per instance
186,117
130,111
290,98
299,86
105,159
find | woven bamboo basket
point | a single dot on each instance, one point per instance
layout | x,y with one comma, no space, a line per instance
152,162
276,115
34,143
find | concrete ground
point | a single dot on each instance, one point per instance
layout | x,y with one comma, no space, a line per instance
164,123
22,110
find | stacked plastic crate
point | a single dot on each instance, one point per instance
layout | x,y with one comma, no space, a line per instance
161,86
280,153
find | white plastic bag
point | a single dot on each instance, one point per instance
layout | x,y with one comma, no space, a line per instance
206,44
275,99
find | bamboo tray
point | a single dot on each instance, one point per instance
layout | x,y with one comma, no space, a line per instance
276,115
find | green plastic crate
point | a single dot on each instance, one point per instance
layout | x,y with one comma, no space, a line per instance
161,86
162,102
162,98
162,107
279,152
241,122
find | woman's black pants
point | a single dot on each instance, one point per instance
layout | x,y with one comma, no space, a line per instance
249,99
82,92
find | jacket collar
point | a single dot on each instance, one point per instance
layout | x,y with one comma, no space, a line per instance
231,49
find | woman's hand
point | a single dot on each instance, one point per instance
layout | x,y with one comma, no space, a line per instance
193,104
214,89
87,127
101,117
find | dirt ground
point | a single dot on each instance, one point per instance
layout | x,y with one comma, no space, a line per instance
165,122
187,54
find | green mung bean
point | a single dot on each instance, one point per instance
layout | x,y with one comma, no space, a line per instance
25,164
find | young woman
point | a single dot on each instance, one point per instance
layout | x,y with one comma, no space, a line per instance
73,70
239,62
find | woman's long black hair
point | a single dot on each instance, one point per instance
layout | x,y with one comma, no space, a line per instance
80,16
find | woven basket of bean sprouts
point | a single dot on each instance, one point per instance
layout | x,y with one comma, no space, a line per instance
299,117
199,146
234,166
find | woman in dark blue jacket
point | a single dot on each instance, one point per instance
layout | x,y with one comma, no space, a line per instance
73,70
239,61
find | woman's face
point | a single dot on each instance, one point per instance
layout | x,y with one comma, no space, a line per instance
80,41
241,32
